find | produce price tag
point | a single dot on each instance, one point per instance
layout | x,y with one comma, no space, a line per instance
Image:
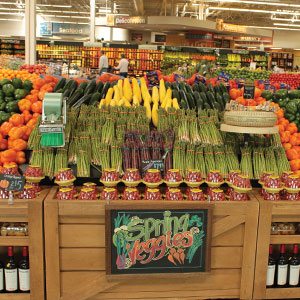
153,164
249,91
12,182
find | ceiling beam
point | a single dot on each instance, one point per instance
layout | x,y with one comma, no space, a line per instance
139,7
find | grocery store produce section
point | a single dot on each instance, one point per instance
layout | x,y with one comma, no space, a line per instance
222,136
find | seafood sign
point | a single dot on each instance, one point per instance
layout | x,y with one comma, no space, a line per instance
158,241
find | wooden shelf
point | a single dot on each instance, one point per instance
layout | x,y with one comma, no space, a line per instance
14,241
21,296
285,239
285,293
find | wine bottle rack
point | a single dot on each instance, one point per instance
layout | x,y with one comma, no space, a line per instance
31,212
273,211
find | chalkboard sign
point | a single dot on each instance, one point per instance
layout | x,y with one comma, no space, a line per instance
152,164
12,182
168,238
249,91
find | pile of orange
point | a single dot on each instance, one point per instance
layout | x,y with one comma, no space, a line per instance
14,134
22,74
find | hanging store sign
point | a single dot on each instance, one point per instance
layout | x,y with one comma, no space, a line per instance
70,29
221,26
119,20
158,238
199,36
46,28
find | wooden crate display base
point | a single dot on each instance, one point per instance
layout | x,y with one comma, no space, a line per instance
31,212
75,255
273,211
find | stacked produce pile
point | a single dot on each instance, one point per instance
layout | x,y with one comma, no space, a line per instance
21,106
243,73
291,79
37,69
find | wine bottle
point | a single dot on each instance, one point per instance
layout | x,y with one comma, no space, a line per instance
294,268
1,278
271,268
24,272
10,272
282,268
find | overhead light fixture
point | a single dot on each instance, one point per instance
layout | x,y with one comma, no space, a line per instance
276,48
262,11
284,19
287,25
253,2
297,49
55,5
274,28
14,20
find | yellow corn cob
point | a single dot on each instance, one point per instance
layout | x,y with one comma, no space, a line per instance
109,95
175,104
121,102
127,103
120,86
144,90
102,103
127,91
162,90
117,96
136,89
136,101
148,109
154,114
155,94
168,104
113,102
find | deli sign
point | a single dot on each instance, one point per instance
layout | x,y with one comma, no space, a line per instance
119,20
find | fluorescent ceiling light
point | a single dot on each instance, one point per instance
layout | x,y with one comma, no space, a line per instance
274,28
262,11
54,5
288,25
297,49
15,20
275,48
254,2
284,19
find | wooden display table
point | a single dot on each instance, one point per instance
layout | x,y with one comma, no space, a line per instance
75,255
273,211
31,212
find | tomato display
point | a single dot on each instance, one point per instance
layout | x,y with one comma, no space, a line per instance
65,174
110,175
173,175
132,175
152,176
33,171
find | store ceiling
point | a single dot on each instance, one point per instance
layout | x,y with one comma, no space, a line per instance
265,13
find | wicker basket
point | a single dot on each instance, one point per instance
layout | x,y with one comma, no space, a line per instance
250,118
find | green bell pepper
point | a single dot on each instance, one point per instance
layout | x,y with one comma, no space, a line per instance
291,107
27,85
8,89
12,106
20,94
4,116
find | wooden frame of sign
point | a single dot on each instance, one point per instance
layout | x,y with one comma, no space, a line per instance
183,251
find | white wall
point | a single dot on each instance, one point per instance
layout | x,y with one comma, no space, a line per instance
286,39
12,28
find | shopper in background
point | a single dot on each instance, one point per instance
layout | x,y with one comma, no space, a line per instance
123,66
103,62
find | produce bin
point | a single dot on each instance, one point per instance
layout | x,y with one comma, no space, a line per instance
273,211
75,255
31,212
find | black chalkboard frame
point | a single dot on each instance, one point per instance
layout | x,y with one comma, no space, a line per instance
159,205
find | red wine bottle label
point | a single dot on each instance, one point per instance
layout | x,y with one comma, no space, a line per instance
270,275
24,280
282,274
1,280
294,275
11,280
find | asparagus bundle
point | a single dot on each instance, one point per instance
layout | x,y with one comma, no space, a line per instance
220,160
199,161
246,162
282,161
61,160
271,165
190,157
179,157
259,163
231,158
209,158
116,157
48,162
